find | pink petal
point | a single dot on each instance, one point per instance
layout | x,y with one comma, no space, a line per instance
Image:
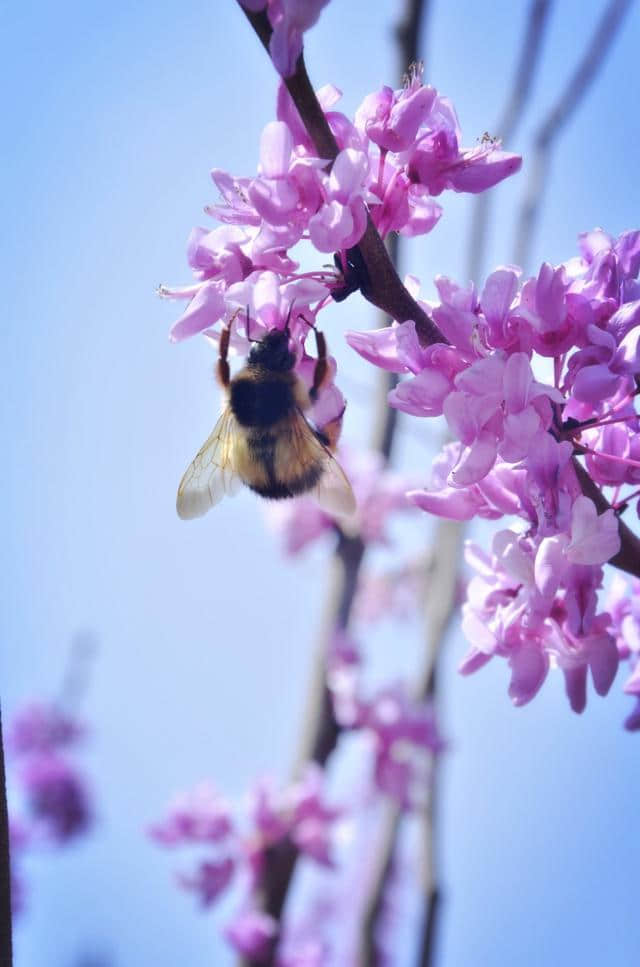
276,145
603,659
450,503
498,294
517,380
529,665
206,307
348,174
378,346
595,383
476,461
594,539
575,680
421,395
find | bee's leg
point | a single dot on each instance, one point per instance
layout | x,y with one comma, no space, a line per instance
223,372
330,432
322,366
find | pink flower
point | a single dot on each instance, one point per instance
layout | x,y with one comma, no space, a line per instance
313,820
287,190
251,933
623,603
391,119
298,811
290,19
57,796
404,732
219,253
594,538
199,816
379,494
42,728
207,305
498,407
437,162
211,879
530,603
574,656
632,687
341,221
500,492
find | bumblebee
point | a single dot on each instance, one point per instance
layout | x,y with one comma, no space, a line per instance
263,439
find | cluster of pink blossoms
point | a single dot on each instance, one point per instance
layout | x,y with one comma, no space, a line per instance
403,731
402,149
534,600
239,852
55,799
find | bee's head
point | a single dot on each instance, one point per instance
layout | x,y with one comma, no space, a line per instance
273,352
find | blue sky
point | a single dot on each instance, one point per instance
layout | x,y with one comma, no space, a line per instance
113,117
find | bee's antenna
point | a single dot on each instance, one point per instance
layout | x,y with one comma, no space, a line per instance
249,329
286,325
232,319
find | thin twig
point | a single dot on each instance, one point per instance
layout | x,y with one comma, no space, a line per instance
5,868
505,128
320,732
440,608
577,86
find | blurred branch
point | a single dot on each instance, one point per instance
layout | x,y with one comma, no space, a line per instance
383,288
522,83
440,608
5,867
77,673
440,605
576,88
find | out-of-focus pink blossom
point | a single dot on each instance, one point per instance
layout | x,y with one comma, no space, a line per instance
623,602
200,816
251,933
379,494
40,727
298,811
57,796
404,732
210,879
394,593
289,19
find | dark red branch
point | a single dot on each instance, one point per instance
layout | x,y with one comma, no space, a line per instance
385,290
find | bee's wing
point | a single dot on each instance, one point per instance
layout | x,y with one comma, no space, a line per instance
333,491
211,475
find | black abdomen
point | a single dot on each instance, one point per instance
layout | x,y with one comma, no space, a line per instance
260,403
